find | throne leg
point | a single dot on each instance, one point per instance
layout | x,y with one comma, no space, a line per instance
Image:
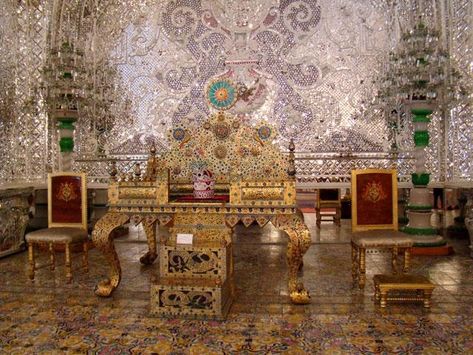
149,226
299,243
104,243
85,258
52,257
395,252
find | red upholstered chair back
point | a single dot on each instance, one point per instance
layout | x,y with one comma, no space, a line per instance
67,200
374,199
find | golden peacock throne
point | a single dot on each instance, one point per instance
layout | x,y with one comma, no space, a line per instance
253,181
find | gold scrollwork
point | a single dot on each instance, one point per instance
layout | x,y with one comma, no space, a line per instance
262,193
187,299
299,243
103,241
137,193
374,192
66,192
174,298
202,219
192,262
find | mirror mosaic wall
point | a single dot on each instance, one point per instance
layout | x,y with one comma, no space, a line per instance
311,67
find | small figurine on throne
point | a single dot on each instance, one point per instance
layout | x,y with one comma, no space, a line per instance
203,181
204,184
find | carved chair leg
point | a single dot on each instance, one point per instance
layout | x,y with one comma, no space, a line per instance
354,263
362,268
338,216
407,260
427,296
31,260
394,260
383,298
68,263
377,295
52,257
85,260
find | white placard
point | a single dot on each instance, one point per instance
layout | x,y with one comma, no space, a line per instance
184,238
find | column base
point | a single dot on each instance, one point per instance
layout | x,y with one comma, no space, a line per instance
430,245
422,232
433,251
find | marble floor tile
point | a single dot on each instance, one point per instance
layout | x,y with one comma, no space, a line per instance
51,316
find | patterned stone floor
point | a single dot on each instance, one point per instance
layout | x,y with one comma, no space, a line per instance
49,316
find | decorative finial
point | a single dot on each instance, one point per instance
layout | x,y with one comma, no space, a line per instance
152,149
151,165
113,171
292,165
137,171
292,147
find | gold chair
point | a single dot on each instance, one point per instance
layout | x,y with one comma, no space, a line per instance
375,220
328,198
67,220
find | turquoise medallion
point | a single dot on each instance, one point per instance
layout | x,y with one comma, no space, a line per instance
221,94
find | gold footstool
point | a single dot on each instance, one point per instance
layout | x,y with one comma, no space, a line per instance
378,239
414,288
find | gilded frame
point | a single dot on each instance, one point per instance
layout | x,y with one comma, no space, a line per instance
83,182
354,221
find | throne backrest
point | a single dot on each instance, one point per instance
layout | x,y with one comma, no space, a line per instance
231,149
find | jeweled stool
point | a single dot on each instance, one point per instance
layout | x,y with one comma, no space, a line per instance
378,239
412,288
